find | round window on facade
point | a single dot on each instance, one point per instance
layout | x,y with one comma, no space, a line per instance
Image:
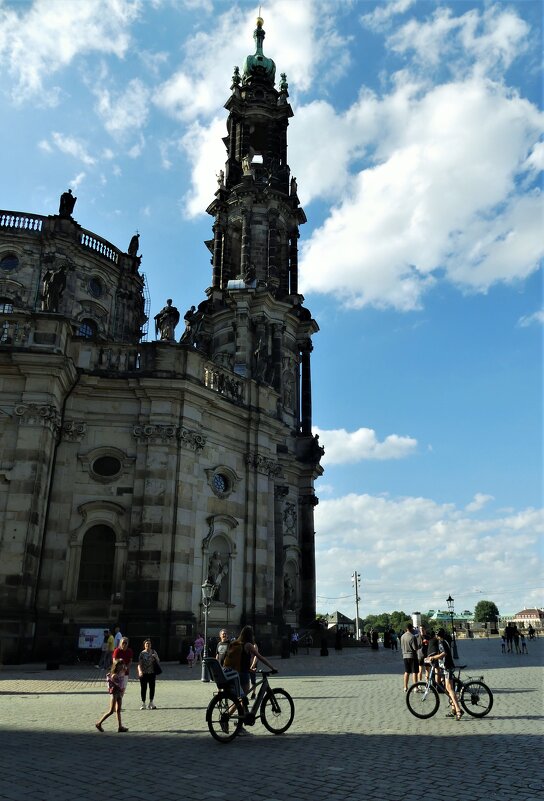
8,263
220,483
95,287
106,466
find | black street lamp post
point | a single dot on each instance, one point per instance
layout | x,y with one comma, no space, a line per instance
207,594
454,653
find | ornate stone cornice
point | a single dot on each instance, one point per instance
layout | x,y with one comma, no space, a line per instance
44,414
308,500
264,465
164,434
74,430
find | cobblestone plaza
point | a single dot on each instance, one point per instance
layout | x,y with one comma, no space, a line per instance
352,736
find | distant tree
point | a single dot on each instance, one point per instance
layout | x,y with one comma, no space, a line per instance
398,620
485,612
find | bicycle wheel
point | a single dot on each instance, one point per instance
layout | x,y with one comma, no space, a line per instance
422,701
224,721
277,711
476,698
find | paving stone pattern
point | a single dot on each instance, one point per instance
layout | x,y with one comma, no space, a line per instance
352,737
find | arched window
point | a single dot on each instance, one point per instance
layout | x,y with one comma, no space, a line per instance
87,329
96,568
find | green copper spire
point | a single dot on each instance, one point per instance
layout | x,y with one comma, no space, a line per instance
259,65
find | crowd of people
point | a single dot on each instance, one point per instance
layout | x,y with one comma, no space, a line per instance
238,657
119,666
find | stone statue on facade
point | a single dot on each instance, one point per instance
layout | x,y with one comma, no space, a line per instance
288,593
134,245
54,284
221,179
217,570
166,321
67,203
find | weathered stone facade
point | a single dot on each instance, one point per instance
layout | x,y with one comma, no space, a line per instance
132,471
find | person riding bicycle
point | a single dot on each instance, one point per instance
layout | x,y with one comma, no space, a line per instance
446,664
250,653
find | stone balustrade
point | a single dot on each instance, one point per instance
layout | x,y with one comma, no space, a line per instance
224,382
101,246
21,220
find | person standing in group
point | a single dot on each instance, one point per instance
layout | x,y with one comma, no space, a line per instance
146,671
199,647
116,690
125,653
445,660
107,651
422,641
408,646
117,638
222,646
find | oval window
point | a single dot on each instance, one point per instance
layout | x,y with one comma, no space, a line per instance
10,262
107,466
95,287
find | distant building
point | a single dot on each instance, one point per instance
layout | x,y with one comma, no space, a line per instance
527,617
341,622
132,471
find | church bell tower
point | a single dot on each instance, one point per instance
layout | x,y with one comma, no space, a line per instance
253,324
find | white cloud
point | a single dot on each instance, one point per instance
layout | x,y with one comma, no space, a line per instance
478,502
381,17
75,182
70,146
536,318
39,40
125,112
344,447
442,193
206,153
493,37
302,37
406,547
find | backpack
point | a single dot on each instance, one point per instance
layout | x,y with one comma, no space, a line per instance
233,657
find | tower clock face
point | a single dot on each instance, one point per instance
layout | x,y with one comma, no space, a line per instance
220,483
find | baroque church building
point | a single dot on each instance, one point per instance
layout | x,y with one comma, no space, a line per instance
133,471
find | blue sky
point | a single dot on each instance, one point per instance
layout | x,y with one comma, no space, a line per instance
417,147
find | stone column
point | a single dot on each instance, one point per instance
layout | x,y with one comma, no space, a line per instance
280,493
217,254
246,241
306,390
307,558
293,263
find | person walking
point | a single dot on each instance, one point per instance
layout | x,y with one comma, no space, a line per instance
191,657
408,646
116,690
126,654
146,672
199,647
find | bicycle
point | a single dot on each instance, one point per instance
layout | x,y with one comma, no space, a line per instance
423,697
227,712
